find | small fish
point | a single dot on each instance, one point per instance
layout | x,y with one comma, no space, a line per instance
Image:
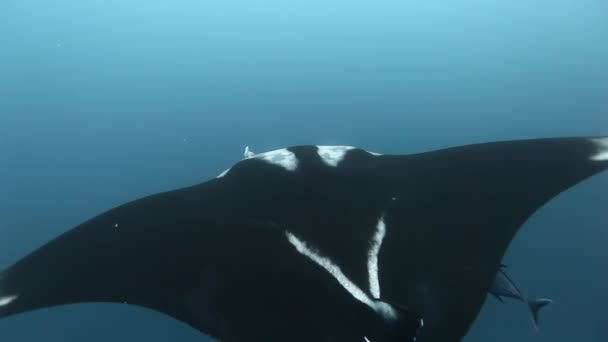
248,153
503,286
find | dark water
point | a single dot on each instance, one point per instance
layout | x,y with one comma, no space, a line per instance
102,102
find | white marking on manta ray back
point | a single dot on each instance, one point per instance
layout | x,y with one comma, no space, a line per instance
602,144
282,157
333,155
366,339
7,300
372,258
382,308
223,173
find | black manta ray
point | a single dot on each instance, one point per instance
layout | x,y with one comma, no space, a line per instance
314,243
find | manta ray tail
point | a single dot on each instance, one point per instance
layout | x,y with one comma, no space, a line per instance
535,305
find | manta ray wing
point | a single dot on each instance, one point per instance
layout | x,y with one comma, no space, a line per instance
461,208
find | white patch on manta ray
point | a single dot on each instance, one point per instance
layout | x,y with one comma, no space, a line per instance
372,258
7,300
223,173
282,157
602,144
333,155
382,308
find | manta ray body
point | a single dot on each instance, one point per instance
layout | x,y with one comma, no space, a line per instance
323,243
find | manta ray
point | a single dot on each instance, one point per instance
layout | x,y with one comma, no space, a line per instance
314,243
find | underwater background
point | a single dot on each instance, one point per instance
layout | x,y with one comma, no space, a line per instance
102,102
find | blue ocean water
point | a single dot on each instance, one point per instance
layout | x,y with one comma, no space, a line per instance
102,102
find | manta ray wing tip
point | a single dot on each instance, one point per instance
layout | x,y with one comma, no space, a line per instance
602,152
6,300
